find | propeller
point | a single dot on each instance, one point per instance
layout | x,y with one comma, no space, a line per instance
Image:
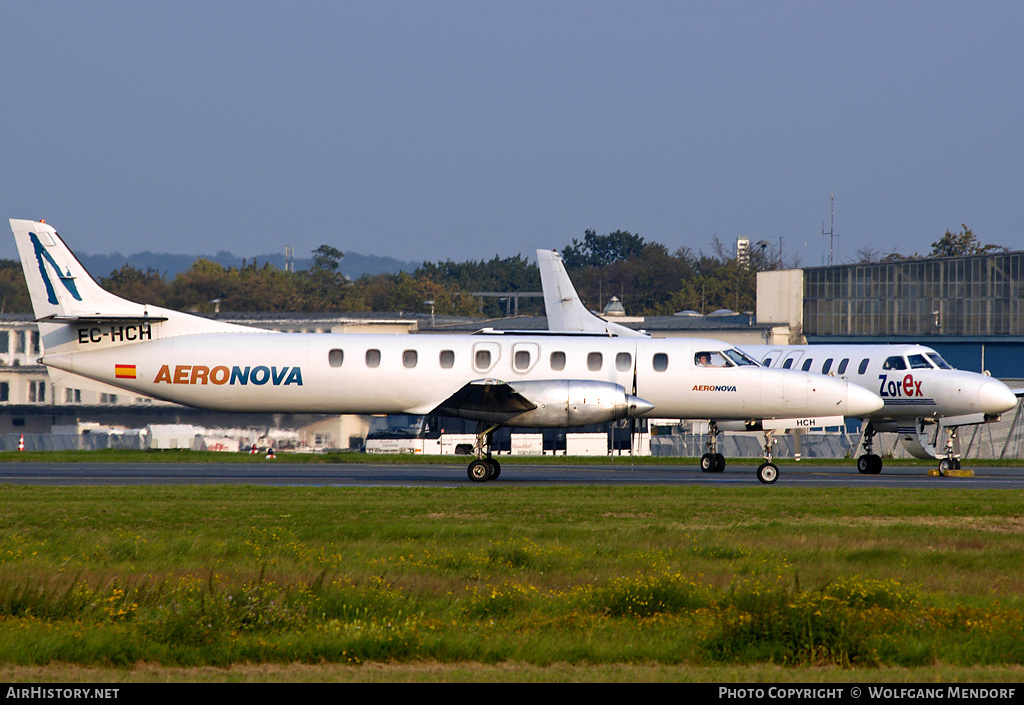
632,417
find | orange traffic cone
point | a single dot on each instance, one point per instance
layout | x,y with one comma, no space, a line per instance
21,442
253,451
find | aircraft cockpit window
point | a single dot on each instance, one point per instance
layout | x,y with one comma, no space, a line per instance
807,364
336,357
447,359
767,362
896,362
623,361
740,358
863,366
410,358
660,362
558,361
919,362
939,362
787,364
827,367
711,358
594,361
842,366
373,358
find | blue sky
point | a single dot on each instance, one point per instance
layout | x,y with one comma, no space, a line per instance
432,130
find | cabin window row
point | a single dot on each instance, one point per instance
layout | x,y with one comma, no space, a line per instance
522,360
895,362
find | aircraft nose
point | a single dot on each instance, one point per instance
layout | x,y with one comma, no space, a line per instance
861,402
638,406
994,397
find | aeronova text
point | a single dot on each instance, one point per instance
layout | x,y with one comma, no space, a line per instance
221,374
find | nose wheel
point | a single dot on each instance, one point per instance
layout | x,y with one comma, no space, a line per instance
767,473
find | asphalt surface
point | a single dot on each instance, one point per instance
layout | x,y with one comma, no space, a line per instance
281,473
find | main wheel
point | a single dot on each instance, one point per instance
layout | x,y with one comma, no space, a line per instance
480,470
495,468
707,463
719,462
869,464
767,473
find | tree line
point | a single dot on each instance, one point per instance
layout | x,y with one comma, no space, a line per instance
647,278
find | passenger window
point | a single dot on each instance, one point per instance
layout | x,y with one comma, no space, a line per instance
483,359
336,357
373,358
894,363
807,364
863,366
842,365
826,367
623,361
522,360
558,361
410,358
447,359
594,361
660,362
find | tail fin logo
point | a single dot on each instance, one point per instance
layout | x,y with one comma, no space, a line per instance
43,258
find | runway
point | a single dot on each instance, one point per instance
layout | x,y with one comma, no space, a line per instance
512,475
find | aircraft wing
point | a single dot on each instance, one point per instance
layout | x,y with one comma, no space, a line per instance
487,400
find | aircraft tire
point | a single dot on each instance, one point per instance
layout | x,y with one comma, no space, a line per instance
945,464
707,463
767,473
495,468
719,462
869,464
480,471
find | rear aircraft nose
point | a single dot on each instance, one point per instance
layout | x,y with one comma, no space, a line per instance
994,397
861,402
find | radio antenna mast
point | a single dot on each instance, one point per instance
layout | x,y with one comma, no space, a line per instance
831,227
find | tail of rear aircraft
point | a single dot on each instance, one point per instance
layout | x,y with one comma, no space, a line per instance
67,301
565,311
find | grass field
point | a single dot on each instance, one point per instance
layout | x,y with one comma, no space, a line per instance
505,583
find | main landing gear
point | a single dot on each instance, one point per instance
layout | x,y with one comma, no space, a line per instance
484,468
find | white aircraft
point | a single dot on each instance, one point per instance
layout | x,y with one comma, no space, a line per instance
497,380
917,386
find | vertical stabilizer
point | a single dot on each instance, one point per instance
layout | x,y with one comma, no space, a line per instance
58,284
566,312
70,306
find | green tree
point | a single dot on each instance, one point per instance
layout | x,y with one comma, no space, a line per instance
149,287
13,289
602,250
961,244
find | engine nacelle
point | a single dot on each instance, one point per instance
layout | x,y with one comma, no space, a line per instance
569,403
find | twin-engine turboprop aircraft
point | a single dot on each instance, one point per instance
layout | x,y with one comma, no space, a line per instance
497,380
918,388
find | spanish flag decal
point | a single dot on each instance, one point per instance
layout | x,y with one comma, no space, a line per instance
124,371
